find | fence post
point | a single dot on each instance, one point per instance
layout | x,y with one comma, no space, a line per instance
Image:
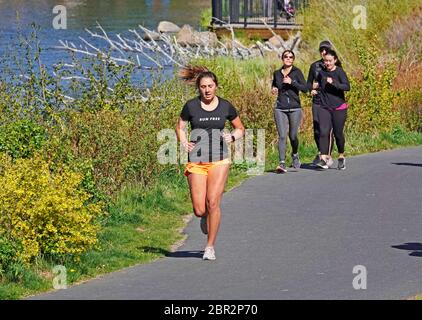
234,11
245,12
217,12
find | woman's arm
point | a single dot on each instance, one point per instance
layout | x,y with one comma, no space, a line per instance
311,78
299,82
274,88
181,135
343,83
237,133
274,84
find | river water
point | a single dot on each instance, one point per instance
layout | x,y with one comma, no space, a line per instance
115,16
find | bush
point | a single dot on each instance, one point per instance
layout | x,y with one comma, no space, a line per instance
371,97
118,148
44,212
410,104
8,252
205,19
21,138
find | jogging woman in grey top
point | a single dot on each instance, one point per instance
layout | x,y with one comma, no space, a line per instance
287,81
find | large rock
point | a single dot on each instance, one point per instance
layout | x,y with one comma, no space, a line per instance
151,35
167,27
206,38
187,36
276,41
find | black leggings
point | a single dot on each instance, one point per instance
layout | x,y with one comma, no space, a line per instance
331,120
315,108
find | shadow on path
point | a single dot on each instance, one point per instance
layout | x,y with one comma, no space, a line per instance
176,254
415,247
154,250
310,166
407,164
306,166
185,254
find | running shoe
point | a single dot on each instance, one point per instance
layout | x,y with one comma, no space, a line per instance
209,253
204,225
295,161
281,168
330,162
316,159
341,164
322,164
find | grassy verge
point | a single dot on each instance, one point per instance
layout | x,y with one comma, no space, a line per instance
141,229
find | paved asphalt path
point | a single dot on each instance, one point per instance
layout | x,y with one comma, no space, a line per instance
295,236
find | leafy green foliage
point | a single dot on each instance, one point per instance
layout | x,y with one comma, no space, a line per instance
205,18
20,139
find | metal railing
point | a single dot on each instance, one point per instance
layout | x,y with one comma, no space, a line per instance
253,12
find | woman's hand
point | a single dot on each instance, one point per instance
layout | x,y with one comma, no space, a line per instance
287,80
227,137
314,92
330,80
188,146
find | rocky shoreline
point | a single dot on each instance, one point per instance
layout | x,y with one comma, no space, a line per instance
186,36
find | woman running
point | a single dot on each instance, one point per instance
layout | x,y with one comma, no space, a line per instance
287,81
332,114
208,163
314,70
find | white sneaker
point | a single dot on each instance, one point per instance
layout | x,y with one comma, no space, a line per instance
341,164
204,225
330,162
209,253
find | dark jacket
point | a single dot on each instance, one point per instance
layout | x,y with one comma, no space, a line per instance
288,94
332,95
314,71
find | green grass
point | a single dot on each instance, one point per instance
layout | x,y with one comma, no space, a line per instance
205,19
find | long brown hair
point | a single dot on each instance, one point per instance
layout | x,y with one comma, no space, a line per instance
194,74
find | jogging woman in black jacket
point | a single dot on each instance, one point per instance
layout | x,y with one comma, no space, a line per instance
333,82
287,81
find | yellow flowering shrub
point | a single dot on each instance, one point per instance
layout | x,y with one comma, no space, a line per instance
45,212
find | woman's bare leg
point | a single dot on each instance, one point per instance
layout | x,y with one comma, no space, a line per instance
216,182
198,192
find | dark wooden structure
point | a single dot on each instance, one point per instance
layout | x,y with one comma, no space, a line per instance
250,15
